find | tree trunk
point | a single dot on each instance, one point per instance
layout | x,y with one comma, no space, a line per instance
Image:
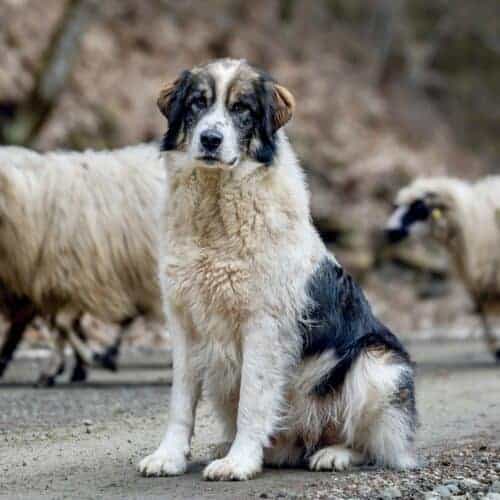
55,68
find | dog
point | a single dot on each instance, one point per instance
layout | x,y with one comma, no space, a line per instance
263,319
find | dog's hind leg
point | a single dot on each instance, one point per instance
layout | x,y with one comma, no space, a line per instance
379,410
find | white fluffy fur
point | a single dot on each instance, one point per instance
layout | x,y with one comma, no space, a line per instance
237,250
467,227
78,231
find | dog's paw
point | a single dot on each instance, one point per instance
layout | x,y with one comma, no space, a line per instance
334,458
163,463
231,469
220,450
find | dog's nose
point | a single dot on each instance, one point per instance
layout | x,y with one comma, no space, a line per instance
211,140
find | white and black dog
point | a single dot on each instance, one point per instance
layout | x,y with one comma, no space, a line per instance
263,319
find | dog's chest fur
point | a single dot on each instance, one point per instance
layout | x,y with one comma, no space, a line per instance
227,249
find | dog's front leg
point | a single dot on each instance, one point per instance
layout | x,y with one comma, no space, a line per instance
171,456
261,390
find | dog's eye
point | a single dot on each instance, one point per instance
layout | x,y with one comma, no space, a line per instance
239,107
199,103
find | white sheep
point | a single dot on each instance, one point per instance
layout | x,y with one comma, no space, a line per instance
461,216
78,234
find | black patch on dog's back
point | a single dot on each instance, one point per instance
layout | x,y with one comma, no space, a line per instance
340,318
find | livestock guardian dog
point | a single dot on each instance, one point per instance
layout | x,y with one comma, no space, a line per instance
280,337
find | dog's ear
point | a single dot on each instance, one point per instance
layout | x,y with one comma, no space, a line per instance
165,95
171,103
277,107
173,93
283,104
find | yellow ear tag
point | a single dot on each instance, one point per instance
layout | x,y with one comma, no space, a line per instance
437,214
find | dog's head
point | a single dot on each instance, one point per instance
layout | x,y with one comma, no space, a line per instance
424,207
224,113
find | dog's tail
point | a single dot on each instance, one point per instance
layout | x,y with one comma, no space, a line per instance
381,338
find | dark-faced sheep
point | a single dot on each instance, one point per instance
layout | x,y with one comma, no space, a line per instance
462,217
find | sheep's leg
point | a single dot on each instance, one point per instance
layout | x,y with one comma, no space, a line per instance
109,357
85,355
19,320
80,370
489,334
69,324
56,363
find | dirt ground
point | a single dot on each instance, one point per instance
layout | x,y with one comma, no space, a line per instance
84,441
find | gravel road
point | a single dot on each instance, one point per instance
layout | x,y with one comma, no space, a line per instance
84,442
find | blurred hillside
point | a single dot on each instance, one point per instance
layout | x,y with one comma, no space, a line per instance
385,91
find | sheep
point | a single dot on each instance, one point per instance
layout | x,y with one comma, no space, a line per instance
78,234
463,217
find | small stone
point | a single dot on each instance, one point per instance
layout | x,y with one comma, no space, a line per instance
497,466
391,492
87,422
431,495
495,487
470,484
443,491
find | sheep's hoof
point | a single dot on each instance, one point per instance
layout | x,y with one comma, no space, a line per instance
79,374
46,381
3,366
106,361
60,370
497,356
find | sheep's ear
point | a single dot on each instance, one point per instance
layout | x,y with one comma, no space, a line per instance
439,201
283,106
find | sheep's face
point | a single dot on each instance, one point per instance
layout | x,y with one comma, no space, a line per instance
224,113
418,214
